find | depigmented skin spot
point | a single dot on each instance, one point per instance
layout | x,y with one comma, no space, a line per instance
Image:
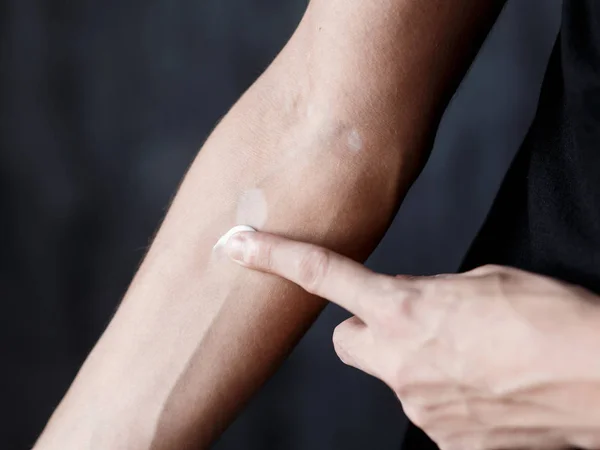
354,141
331,130
252,209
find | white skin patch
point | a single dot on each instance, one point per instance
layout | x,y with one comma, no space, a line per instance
252,209
355,142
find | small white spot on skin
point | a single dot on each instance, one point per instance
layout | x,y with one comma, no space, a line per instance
252,208
355,142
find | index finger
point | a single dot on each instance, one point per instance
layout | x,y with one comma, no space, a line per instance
317,270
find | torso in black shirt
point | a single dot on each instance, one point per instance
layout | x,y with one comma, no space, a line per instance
546,217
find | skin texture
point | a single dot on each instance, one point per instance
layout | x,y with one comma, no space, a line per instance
495,358
326,143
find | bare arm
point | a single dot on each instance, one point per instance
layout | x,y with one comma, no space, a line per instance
322,148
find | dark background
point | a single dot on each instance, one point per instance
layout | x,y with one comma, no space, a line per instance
103,105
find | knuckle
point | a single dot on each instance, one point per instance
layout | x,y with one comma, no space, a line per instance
492,270
493,267
313,268
485,269
499,279
389,285
404,390
401,391
394,309
417,415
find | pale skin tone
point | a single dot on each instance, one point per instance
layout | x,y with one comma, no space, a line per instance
329,138
495,358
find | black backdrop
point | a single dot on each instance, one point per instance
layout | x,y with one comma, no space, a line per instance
103,105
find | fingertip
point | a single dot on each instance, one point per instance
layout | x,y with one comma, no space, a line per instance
223,240
235,248
234,242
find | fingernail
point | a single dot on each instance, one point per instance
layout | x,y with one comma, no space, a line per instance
235,247
230,242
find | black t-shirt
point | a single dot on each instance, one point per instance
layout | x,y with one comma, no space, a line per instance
546,217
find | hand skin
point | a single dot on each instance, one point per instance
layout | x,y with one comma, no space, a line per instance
495,358
322,148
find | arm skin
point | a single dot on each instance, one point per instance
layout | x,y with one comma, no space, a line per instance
322,148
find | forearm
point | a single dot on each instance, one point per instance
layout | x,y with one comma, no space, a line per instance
322,149
195,335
